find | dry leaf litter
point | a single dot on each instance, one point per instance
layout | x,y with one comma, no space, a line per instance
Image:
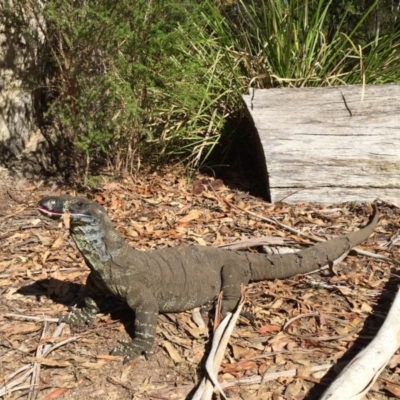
302,331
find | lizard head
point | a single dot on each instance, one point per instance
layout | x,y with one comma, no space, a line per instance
82,211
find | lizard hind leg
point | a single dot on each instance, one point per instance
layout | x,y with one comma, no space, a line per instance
232,276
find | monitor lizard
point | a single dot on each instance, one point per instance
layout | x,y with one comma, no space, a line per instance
172,279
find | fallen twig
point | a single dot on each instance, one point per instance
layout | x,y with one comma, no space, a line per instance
271,376
254,242
11,382
359,375
220,341
36,365
40,271
30,317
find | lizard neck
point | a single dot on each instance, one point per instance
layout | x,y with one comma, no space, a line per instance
98,242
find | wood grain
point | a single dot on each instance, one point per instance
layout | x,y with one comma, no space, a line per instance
330,144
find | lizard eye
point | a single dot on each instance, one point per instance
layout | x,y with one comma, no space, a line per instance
79,204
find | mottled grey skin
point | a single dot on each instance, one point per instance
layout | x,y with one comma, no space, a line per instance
172,279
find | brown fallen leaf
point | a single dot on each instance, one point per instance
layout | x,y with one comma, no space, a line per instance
393,388
48,362
278,342
293,389
269,328
55,393
173,353
95,365
200,241
21,328
239,351
107,357
44,256
58,242
198,188
239,366
192,215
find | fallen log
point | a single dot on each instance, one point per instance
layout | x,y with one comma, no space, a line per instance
327,144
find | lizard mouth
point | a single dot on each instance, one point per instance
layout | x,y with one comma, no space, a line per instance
58,214
50,213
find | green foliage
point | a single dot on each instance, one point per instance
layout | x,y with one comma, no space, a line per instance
315,43
92,181
134,82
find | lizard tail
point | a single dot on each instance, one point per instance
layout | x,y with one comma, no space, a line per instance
284,265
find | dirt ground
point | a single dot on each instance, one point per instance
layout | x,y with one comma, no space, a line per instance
303,331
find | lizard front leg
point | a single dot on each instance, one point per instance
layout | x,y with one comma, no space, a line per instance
145,306
87,314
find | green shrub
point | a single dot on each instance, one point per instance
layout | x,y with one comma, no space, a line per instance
308,43
134,82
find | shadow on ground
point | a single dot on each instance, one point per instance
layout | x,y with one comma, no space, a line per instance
371,326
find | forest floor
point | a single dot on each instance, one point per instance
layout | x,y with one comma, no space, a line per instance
305,328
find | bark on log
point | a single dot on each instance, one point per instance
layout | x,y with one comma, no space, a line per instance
330,144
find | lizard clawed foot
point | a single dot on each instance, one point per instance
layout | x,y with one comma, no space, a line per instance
77,317
131,349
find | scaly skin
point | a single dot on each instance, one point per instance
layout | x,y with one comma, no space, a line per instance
172,279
